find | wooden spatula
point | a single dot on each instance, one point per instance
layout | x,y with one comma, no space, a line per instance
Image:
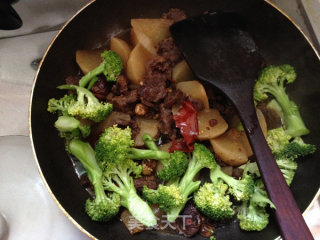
219,52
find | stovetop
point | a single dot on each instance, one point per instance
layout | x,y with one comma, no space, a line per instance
20,53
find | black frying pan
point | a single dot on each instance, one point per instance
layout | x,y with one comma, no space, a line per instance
279,41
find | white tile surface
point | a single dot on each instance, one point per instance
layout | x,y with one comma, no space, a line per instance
41,15
29,210
16,78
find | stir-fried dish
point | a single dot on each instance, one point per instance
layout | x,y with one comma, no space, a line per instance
161,149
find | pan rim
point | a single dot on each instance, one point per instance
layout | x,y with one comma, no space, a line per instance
73,221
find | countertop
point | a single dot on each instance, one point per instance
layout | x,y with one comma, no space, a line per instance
20,53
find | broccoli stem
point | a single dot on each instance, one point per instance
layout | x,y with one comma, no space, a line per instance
188,186
173,214
92,82
149,142
130,199
139,208
93,73
293,122
148,154
66,124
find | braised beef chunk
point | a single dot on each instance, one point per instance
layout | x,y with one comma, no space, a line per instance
121,86
154,87
125,103
174,97
169,50
167,124
132,124
175,14
73,79
149,181
100,89
197,103
189,221
148,166
158,68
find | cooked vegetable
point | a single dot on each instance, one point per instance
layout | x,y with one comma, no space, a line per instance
61,105
186,120
181,72
195,90
240,189
174,166
112,154
272,81
110,67
136,63
146,126
211,124
71,128
103,207
86,106
211,199
88,59
286,151
252,213
168,197
201,158
229,148
120,47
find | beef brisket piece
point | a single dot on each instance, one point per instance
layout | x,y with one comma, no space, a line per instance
175,14
167,124
125,103
190,224
151,181
100,89
169,51
121,86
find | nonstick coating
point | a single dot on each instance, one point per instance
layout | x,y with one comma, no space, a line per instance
279,42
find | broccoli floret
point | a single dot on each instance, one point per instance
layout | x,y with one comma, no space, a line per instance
272,81
87,106
174,166
121,145
112,154
212,201
241,189
103,207
298,148
61,105
201,158
174,195
252,214
286,151
277,138
110,67
168,197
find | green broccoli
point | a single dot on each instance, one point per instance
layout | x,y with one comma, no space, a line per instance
110,67
71,128
103,207
112,151
240,189
252,213
61,105
201,158
121,144
168,197
87,106
174,166
67,124
286,151
272,81
212,201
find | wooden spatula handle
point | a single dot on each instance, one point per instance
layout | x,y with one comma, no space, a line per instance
287,211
